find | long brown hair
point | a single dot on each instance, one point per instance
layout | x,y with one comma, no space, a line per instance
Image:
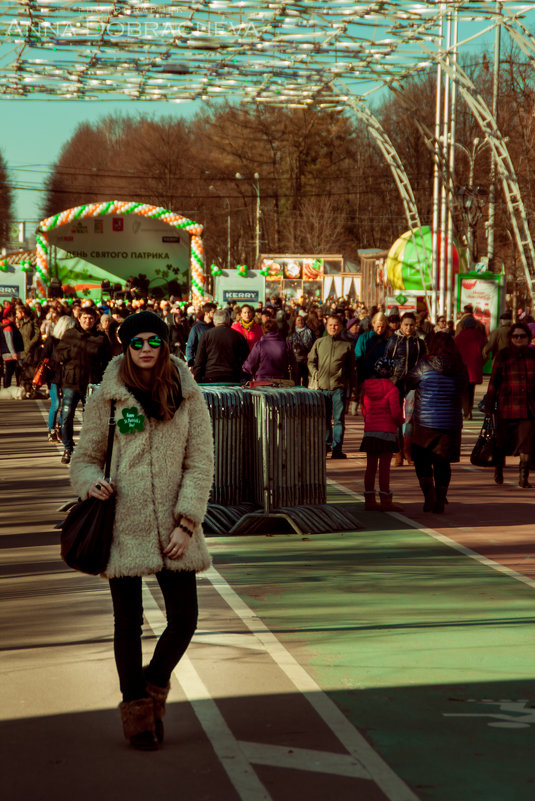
165,385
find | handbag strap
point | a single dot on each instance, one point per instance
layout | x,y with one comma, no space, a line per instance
111,434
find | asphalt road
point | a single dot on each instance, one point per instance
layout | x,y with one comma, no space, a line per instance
394,662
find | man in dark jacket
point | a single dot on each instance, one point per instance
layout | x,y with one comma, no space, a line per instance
405,349
221,352
499,337
331,363
84,354
200,327
30,331
301,341
11,346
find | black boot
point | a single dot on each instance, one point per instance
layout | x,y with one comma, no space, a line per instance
498,474
428,489
523,474
441,500
66,458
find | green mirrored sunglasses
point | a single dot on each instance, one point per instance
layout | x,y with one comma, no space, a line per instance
137,342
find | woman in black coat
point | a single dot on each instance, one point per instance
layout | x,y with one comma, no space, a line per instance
54,382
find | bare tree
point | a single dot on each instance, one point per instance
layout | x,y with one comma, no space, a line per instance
6,204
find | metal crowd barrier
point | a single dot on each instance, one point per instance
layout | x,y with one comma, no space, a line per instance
289,457
270,461
230,411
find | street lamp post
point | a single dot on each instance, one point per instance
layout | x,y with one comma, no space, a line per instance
473,202
473,199
256,186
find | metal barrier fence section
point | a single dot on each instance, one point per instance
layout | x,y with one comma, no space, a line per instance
230,411
270,461
289,452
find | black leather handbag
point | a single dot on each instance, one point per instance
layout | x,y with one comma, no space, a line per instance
484,451
87,531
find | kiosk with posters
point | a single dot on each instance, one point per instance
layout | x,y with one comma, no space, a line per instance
307,277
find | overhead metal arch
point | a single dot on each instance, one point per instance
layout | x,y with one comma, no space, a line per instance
401,179
506,170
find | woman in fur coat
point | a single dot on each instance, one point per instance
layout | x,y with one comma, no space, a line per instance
162,469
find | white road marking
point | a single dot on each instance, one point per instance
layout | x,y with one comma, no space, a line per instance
303,759
227,748
228,640
371,763
361,762
484,560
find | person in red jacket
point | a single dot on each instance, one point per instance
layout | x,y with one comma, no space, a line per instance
383,416
247,327
470,342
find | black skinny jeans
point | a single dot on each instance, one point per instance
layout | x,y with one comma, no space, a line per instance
179,591
11,368
428,465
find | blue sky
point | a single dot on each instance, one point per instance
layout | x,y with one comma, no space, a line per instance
33,133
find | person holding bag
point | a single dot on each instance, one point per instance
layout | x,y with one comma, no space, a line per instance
161,476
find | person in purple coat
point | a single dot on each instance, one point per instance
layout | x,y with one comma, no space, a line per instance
271,357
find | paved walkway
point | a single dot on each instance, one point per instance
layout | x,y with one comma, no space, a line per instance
378,664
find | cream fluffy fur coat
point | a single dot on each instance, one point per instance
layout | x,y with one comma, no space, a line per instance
159,474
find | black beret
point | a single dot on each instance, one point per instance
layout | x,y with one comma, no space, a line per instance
142,323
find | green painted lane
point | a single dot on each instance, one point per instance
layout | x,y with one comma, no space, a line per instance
428,652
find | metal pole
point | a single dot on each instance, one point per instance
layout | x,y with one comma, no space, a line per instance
436,184
448,311
492,187
228,237
257,190
444,187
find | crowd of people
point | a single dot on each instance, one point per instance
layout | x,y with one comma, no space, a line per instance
339,348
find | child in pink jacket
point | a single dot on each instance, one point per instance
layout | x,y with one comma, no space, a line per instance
381,409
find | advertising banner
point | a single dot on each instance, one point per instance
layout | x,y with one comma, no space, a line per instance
308,268
125,245
401,304
12,283
483,292
230,287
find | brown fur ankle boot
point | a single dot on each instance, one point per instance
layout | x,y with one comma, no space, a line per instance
138,723
385,499
159,697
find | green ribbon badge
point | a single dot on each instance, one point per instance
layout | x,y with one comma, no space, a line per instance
132,421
